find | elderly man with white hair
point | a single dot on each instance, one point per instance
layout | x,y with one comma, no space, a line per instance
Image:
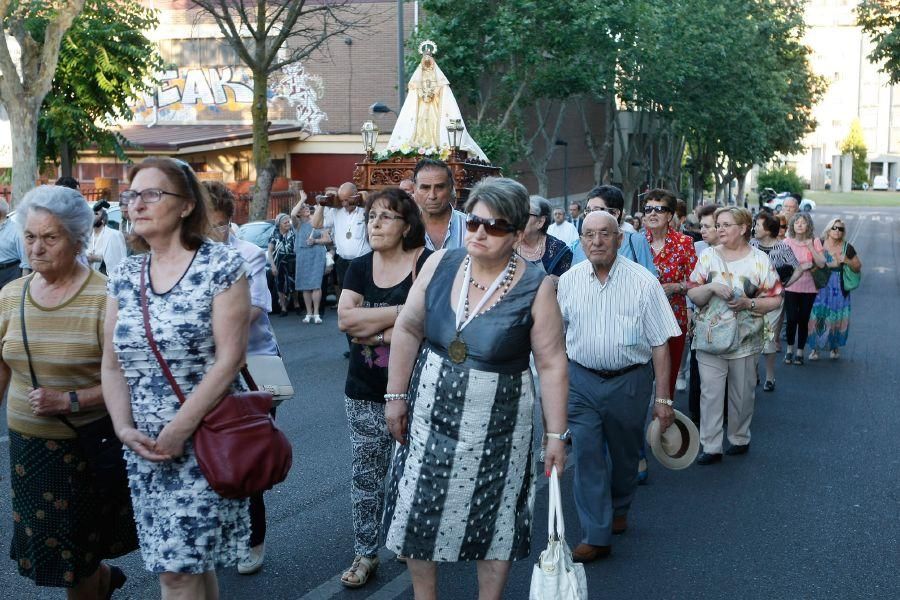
12,250
618,322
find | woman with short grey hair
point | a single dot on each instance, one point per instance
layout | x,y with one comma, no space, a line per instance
67,519
461,346
539,248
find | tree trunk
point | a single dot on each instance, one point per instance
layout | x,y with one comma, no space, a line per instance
23,129
262,159
65,159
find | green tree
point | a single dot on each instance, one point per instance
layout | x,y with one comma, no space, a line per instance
855,145
781,179
105,62
38,28
267,36
881,20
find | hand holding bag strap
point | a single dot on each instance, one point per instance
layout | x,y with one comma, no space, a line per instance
34,381
556,528
145,311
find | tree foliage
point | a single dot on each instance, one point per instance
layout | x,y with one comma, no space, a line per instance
38,28
781,179
268,35
881,20
105,62
855,145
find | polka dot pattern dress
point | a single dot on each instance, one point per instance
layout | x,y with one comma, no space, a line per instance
463,487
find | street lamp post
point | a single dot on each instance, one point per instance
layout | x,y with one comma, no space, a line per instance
565,146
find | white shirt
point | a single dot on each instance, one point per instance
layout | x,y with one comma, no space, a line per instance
564,231
614,325
626,226
110,244
341,223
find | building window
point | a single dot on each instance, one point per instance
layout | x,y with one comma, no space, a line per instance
241,169
280,167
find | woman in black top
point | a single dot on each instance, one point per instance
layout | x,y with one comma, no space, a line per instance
375,289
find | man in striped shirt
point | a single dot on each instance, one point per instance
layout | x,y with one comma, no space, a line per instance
618,322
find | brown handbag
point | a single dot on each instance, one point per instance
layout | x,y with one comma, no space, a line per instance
240,450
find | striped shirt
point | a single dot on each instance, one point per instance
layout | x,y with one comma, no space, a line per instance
614,325
66,344
455,236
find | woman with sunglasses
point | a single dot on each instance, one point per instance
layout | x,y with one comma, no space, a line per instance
197,297
375,288
540,249
674,257
461,398
800,295
829,322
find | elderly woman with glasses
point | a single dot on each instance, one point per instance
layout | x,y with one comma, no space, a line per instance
829,322
283,260
540,249
674,257
461,396
737,279
800,295
375,289
197,301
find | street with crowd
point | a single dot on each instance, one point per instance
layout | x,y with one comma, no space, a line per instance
446,355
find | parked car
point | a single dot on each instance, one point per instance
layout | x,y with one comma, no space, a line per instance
775,204
259,232
880,183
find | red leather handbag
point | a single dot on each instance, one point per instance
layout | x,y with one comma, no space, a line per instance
240,450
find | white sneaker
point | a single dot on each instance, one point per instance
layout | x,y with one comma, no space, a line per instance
680,384
254,562
307,319
317,319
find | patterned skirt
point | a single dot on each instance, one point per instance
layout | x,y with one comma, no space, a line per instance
62,527
462,488
829,322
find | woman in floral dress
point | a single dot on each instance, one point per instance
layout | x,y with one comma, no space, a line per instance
196,292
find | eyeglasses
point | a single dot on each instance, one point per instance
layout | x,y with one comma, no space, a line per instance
148,196
531,214
613,211
837,228
649,210
592,235
724,225
494,227
372,217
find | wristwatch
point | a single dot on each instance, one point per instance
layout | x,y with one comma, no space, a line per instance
379,337
75,406
752,304
666,401
565,435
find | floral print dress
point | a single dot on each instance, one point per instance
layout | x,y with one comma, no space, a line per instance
674,263
183,525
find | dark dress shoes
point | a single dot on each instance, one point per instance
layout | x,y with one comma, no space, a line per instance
738,449
585,553
620,524
707,459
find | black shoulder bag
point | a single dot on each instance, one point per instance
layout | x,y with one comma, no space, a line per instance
101,448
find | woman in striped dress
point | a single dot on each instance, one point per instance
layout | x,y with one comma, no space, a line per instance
462,485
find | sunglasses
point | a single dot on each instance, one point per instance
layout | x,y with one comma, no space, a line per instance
837,228
494,227
649,210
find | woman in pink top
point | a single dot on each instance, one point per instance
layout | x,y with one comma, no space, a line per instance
800,295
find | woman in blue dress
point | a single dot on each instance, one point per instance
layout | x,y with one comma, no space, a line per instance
309,246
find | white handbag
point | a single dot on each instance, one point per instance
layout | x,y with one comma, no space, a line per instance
270,375
556,576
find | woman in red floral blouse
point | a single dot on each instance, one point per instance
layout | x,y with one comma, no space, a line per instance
674,257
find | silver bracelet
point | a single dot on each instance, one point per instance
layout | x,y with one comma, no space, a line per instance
392,397
664,401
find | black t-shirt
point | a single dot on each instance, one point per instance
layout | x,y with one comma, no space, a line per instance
367,374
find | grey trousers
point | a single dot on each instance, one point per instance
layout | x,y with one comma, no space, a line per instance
606,417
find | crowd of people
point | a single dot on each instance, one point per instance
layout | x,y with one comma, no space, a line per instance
462,319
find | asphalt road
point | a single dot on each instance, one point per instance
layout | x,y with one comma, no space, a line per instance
813,511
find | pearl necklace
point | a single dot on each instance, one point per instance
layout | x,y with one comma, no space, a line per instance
507,281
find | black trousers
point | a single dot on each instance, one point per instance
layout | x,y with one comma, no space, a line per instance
258,515
797,308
